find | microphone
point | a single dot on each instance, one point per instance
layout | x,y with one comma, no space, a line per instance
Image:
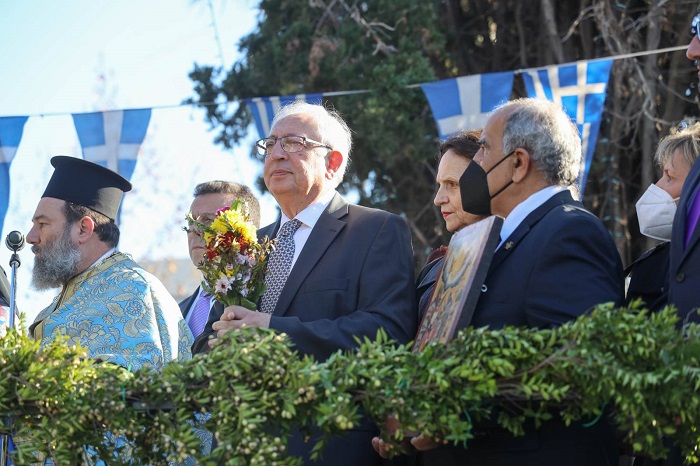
14,241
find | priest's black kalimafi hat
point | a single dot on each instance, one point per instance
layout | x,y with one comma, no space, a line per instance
87,184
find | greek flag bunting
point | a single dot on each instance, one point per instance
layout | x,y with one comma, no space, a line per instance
580,89
464,103
112,139
11,129
264,108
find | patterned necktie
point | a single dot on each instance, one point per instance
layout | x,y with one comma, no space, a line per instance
279,266
693,216
200,314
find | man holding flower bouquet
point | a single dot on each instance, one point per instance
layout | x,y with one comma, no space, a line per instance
201,310
337,271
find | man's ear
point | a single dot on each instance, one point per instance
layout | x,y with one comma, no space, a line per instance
335,160
521,164
86,228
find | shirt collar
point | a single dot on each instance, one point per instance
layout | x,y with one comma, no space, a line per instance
312,213
525,208
103,257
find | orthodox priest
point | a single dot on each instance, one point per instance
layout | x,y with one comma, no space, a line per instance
108,303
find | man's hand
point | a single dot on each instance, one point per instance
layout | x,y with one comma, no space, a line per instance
235,317
420,442
423,443
384,449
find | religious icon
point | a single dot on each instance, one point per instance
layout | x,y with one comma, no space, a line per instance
459,283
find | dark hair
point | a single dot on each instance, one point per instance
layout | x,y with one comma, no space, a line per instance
105,228
464,143
239,191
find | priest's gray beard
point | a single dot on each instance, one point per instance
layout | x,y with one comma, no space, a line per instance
56,262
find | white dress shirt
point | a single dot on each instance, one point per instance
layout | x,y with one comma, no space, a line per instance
308,218
525,208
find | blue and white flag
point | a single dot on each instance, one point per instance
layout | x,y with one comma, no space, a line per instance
11,129
464,103
580,89
112,139
265,108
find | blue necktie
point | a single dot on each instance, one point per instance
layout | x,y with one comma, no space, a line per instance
278,266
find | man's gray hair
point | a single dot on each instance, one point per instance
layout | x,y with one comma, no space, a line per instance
334,132
543,129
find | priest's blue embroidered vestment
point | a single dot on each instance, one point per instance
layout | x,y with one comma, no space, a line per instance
120,313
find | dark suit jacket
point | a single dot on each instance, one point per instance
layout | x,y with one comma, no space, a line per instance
425,284
684,268
199,345
353,277
649,278
556,265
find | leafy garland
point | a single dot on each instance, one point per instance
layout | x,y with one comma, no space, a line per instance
256,389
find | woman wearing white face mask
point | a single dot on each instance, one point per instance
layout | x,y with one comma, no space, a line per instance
655,210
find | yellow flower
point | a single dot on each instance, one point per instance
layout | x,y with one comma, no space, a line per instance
248,231
219,225
208,237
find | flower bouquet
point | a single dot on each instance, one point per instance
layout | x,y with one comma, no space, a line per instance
234,262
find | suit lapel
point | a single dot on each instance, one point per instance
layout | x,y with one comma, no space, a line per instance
324,232
511,243
679,222
215,314
186,304
692,242
269,230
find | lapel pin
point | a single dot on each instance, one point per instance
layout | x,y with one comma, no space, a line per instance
509,245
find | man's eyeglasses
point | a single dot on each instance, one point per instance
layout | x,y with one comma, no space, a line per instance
695,26
290,144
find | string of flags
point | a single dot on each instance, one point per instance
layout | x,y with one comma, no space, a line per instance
113,138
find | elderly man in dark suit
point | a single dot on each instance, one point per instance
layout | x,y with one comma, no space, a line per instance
200,310
339,271
555,261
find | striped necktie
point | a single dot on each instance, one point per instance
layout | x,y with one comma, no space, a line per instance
278,266
200,314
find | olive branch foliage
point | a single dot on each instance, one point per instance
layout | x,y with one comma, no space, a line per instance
253,389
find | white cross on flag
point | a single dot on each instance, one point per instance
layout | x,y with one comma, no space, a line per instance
464,103
580,89
112,139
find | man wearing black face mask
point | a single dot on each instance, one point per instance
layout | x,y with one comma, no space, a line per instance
555,262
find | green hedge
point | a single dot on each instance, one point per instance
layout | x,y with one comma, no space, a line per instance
256,388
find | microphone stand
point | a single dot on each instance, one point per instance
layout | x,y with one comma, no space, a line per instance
15,242
14,265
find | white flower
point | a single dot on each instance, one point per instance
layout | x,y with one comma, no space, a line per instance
240,259
222,284
244,291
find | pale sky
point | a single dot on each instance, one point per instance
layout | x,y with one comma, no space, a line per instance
53,53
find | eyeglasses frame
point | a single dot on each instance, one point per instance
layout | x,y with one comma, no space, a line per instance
260,144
